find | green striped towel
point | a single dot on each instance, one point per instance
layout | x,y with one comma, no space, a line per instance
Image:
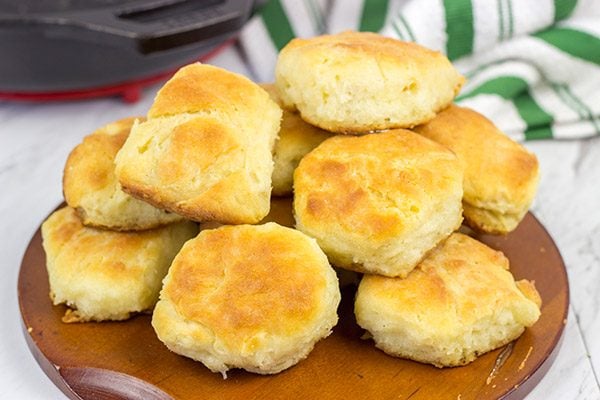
533,66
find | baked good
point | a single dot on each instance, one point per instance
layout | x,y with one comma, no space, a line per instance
282,213
460,302
106,275
356,82
91,187
256,297
205,150
377,203
296,138
501,176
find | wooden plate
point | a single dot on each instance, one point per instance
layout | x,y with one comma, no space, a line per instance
114,360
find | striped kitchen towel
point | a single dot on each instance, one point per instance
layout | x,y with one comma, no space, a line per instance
533,66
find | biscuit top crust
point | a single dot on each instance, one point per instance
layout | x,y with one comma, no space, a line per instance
201,88
354,46
249,281
190,153
499,173
460,282
90,166
376,186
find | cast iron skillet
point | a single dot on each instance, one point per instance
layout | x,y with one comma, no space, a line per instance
64,45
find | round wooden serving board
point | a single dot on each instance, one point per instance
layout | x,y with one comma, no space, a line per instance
114,360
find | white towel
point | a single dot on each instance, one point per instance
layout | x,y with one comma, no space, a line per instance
533,66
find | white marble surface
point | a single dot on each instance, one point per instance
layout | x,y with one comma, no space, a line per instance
35,141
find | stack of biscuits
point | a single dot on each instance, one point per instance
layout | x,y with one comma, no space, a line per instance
106,251
383,169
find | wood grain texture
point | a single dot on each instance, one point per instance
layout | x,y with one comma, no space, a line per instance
116,360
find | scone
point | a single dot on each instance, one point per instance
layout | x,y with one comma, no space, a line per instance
501,176
106,275
282,213
460,302
256,297
356,82
205,150
91,187
377,203
296,138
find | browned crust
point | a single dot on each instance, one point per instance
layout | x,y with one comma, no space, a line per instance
201,211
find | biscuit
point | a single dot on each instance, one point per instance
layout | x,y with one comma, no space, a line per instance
356,82
256,297
106,275
296,138
282,213
501,176
377,203
460,302
205,150
91,187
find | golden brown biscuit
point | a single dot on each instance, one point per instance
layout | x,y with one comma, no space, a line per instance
107,275
256,297
282,212
205,150
357,82
377,203
91,187
296,138
501,176
460,302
